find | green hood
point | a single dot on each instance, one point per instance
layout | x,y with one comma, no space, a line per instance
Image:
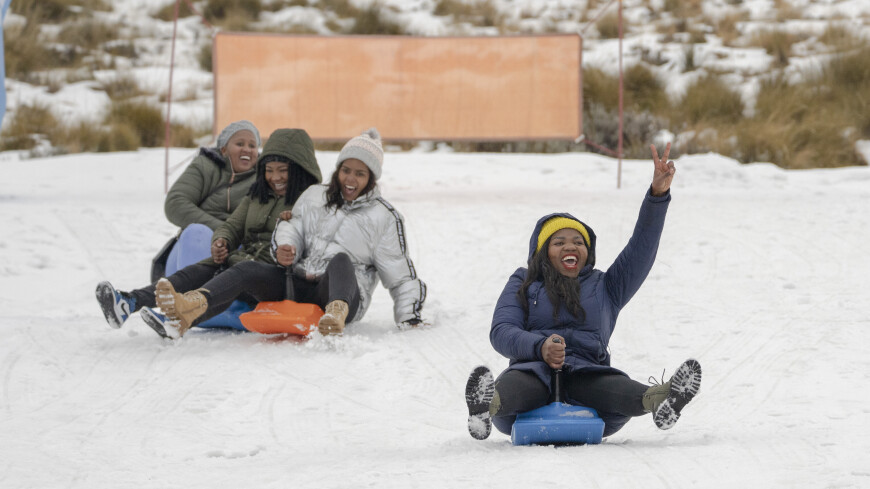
294,144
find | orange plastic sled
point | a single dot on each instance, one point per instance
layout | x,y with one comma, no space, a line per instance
287,316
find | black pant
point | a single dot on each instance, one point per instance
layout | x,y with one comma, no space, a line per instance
616,397
254,281
338,283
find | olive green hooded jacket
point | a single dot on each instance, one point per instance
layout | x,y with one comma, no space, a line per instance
208,191
248,230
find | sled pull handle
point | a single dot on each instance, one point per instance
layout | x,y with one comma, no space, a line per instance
557,380
289,292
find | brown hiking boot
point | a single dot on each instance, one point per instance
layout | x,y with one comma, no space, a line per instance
183,308
332,321
667,400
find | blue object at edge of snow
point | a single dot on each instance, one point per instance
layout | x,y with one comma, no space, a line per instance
558,422
194,245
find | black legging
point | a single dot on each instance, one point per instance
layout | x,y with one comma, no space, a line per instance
616,397
254,281
338,283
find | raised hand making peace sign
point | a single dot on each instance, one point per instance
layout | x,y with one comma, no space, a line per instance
664,172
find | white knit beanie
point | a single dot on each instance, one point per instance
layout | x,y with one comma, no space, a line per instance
233,128
367,148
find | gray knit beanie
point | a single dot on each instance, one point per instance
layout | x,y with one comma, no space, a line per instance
367,148
233,128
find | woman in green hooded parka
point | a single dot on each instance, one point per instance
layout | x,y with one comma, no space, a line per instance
241,264
205,195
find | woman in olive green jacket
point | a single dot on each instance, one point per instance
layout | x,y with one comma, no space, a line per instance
205,195
240,248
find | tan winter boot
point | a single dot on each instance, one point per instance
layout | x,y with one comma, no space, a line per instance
332,322
655,395
183,308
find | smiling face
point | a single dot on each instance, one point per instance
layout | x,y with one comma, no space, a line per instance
242,151
567,252
353,176
276,176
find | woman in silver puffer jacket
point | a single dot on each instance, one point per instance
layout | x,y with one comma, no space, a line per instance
344,237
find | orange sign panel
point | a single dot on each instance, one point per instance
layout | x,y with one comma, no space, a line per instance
410,88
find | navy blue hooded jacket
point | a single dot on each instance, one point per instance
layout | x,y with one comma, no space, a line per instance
602,296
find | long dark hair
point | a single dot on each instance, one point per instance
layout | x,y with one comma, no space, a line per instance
297,181
560,289
333,191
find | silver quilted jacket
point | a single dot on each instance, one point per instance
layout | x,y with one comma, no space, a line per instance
370,231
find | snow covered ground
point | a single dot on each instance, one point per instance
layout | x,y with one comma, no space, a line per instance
762,275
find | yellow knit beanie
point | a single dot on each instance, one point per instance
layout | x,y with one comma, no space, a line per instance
556,223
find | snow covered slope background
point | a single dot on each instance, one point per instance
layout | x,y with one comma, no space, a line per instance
762,275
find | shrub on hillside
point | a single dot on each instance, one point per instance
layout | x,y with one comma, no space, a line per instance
480,13
28,124
167,12
123,48
88,34
277,5
683,8
600,88
145,120
341,8
232,12
710,100
608,26
371,22
25,52
779,100
120,137
121,87
205,57
80,137
54,11
810,124
726,26
642,90
182,136
601,127
839,38
777,44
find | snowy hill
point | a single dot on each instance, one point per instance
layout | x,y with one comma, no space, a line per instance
678,40
762,275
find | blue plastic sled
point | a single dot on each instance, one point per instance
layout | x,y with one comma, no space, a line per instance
229,318
194,245
558,423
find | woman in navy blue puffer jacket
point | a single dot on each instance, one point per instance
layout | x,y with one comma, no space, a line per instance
560,312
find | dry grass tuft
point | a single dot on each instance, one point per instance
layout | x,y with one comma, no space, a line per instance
608,26
29,123
167,12
88,34
234,15
121,88
369,21
776,43
54,11
709,100
481,13
146,121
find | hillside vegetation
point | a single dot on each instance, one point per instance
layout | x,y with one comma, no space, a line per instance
805,106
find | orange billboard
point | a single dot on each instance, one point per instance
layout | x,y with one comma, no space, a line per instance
410,88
